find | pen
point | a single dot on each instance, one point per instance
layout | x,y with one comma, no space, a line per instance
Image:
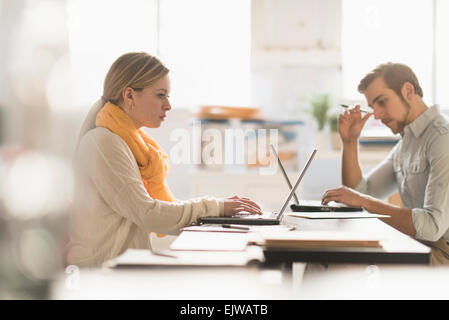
231,226
348,107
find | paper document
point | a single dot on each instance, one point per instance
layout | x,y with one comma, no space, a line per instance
144,258
247,228
210,241
336,215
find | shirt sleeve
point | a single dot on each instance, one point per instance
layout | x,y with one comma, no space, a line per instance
380,182
114,172
432,221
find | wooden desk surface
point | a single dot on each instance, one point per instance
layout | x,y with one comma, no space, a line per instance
397,247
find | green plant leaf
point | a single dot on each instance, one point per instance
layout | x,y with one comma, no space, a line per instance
320,107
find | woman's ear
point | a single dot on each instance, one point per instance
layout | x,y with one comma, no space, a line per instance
408,91
127,96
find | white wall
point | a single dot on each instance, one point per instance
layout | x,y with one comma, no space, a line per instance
295,54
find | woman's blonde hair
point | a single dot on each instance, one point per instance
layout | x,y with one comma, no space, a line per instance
136,70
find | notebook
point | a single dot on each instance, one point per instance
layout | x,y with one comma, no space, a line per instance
319,239
271,218
312,205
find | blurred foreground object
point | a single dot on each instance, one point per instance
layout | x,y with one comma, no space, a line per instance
35,194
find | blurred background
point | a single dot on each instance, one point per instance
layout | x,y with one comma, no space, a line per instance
286,59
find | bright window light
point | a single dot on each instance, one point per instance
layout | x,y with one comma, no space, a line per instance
204,43
442,54
207,46
379,31
99,32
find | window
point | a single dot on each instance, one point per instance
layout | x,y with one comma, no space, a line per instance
205,44
442,54
378,31
99,32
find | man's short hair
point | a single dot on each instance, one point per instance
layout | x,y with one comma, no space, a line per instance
394,75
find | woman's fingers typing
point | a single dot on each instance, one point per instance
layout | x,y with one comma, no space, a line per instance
234,205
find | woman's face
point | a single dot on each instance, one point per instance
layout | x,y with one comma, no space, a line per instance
148,107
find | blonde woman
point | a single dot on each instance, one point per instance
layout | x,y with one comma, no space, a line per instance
121,193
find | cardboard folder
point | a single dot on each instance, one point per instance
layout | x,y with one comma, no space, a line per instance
314,239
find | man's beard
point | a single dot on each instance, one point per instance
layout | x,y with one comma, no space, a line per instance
401,124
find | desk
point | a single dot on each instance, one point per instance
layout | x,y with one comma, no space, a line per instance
252,283
178,283
397,247
256,282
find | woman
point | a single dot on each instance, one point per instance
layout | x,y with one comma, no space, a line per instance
121,193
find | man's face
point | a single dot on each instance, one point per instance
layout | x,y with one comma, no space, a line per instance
387,105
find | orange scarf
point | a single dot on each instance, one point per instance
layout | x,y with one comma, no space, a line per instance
151,159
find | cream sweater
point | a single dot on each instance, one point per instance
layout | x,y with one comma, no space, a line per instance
112,210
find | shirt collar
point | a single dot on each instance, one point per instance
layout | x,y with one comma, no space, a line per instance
418,125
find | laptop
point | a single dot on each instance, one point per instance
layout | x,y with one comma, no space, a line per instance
270,218
312,205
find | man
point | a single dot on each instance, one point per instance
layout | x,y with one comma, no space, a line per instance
418,165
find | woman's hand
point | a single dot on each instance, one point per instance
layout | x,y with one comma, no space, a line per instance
344,195
235,204
350,124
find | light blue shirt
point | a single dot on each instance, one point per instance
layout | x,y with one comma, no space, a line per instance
418,166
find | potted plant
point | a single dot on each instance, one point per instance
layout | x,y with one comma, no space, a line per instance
320,107
335,136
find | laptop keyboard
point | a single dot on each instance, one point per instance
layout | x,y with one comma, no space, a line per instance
265,215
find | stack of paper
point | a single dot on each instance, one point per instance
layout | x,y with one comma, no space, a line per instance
318,239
